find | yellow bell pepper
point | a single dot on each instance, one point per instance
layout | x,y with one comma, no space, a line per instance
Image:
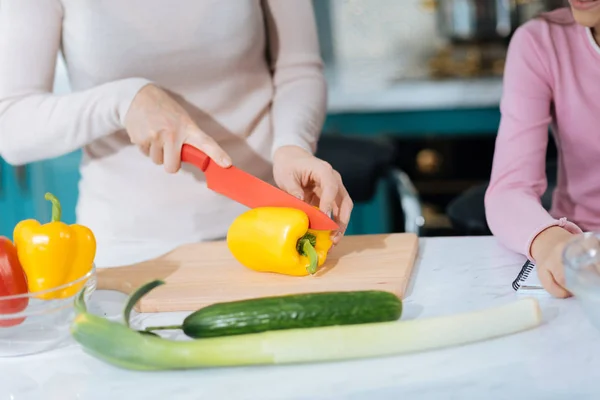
54,254
277,239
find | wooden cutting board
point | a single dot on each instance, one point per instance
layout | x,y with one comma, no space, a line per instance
201,274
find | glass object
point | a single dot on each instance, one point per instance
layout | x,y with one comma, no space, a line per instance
44,324
581,258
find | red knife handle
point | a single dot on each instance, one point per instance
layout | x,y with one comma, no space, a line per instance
192,155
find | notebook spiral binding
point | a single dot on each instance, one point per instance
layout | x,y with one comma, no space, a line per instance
523,275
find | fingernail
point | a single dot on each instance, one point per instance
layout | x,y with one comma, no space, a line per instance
298,196
225,162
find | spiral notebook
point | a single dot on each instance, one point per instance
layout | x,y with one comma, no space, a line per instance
527,281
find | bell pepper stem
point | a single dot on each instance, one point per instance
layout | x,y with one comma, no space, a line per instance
306,248
56,207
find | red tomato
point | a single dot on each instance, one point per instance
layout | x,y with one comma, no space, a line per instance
13,281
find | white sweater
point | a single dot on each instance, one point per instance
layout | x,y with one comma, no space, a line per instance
211,55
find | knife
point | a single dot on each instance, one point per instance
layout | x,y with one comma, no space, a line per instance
251,191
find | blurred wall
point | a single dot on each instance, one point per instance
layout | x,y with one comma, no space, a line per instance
382,29
399,33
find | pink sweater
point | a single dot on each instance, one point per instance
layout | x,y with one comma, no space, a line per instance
552,78
211,55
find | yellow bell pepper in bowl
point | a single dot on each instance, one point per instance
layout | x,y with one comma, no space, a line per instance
58,263
277,240
54,254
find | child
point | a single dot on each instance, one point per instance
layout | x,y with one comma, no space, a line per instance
552,77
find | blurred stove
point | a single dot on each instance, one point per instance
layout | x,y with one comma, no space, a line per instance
468,60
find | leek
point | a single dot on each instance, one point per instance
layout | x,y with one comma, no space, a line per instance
117,344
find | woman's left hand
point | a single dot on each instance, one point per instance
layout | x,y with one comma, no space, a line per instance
313,180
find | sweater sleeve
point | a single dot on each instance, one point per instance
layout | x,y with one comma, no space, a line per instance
300,100
34,123
513,199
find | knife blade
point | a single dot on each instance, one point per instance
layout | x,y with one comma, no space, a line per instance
249,190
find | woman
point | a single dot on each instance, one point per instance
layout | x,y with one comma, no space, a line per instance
552,77
240,80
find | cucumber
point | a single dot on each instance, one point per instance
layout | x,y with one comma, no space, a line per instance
291,312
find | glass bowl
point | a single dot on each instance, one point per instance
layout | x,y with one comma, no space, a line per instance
581,258
45,321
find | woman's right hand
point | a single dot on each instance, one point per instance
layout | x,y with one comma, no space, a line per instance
546,250
159,126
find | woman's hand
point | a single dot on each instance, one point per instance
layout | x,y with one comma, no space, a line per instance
308,178
547,250
159,126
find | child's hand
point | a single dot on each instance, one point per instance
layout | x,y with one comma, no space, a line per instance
547,250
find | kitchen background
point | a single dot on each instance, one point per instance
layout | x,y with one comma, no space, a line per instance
414,91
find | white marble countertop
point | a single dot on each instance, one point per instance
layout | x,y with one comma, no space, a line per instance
558,360
381,86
